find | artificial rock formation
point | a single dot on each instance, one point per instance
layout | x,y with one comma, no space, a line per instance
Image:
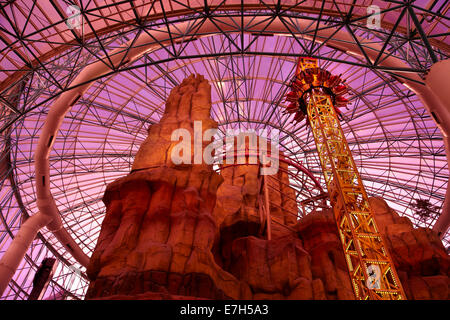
158,231
418,254
421,260
241,195
165,236
320,239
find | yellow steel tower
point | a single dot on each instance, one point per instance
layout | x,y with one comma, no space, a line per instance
370,267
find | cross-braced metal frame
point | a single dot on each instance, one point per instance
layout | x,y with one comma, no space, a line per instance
248,66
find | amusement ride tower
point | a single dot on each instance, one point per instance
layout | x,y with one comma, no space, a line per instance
316,95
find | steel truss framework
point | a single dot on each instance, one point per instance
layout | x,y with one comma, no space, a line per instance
363,244
249,70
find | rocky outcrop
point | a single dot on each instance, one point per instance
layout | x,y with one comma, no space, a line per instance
164,235
158,230
241,198
418,254
276,269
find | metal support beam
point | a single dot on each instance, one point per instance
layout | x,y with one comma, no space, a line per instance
422,34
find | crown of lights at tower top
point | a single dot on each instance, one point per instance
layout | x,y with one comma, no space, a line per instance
309,77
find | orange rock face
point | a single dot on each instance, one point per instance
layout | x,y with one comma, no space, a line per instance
186,232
